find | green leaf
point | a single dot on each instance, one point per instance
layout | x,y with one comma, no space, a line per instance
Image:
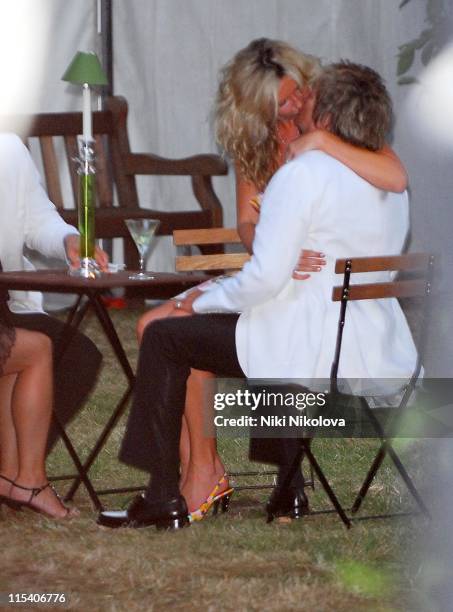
412,44
424,37
405,59
408,80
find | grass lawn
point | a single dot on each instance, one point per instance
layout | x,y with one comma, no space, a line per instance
233,562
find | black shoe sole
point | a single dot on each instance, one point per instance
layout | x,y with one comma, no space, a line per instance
171,524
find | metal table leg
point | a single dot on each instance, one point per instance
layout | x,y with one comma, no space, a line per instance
110,331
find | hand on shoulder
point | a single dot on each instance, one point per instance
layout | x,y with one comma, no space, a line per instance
307,142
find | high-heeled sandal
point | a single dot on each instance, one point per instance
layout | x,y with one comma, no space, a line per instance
214,501
8,501
34,492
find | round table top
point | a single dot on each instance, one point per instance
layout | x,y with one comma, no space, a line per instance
60,281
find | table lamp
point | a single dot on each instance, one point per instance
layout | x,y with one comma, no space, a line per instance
85,69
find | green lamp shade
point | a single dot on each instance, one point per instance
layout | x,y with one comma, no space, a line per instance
85,68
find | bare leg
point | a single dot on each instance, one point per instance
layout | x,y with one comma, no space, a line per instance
184,451
201,466
205,466
159,312
30,411
9,460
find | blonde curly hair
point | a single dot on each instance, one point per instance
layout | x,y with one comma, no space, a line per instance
247,104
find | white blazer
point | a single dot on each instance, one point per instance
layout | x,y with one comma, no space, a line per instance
27,218
287,328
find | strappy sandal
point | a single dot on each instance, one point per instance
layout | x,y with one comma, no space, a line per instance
215,500
8,501
34,492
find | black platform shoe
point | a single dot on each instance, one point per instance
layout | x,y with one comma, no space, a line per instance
172,514
292,503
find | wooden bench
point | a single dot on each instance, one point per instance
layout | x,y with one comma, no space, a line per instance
116,171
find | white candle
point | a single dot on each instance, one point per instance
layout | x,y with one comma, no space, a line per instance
87,129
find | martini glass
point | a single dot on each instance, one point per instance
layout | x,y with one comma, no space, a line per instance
142,232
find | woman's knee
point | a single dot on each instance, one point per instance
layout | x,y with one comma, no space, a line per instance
160,312
33,346
41,345
153,331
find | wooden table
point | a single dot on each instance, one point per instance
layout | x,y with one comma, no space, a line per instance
89,292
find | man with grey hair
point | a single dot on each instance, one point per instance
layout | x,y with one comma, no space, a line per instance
353,103
286,329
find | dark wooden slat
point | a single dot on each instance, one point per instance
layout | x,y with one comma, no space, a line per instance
145,163
51,170
67,124
410,261
110,222
375,291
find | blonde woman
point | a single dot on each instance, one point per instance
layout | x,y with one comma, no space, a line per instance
262,92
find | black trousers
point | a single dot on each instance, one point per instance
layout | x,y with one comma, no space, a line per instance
170,347
74,374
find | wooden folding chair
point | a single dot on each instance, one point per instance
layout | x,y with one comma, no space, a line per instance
419,267
207,241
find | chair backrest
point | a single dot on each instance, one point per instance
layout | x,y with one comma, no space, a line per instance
419,266
116,171
208,261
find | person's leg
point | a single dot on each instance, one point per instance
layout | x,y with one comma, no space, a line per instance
169,348
205,467
154,314
290,448
31,402
198,452
184,450
9,461
196,448
30,365
74,375
290,500
282,453
167,309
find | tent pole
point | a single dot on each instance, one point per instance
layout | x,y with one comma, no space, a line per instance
106,40
104,30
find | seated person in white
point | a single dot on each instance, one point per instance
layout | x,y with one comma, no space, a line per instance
28,220
286,329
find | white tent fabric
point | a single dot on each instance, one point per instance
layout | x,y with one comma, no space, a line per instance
37,41
167,55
